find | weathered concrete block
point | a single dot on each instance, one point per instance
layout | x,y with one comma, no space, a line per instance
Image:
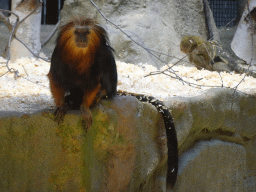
219,114
125,149
212,166
122,151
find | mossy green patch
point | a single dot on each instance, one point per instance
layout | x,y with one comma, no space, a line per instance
25,146
37,154
72,164
106,136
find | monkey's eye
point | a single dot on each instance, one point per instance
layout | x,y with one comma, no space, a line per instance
191,41
81,32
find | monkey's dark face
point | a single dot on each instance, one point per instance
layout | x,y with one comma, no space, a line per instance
188,44
185,46
81,36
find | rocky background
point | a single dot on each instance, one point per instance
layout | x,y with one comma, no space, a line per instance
155,24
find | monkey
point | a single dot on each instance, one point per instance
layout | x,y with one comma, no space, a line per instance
83,71
210,55
199,51
82,67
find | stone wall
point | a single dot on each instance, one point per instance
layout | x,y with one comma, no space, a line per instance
217,141
125,149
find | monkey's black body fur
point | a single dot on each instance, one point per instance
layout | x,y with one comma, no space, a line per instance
104,67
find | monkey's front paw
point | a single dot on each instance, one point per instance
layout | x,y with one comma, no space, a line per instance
86,119
60,113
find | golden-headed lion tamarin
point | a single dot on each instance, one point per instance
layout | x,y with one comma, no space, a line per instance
83,66
83,70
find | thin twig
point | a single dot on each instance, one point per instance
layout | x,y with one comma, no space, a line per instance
13,35
5,20
13,32
50,35
212,59
14,27
35,82
47,60
25,70
4,73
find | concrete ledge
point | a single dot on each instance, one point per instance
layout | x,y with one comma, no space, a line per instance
125,149
201,122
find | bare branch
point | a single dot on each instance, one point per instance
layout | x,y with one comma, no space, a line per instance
47,60
50,35
5,20
13,29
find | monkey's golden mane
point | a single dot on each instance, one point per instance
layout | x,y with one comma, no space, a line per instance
77,57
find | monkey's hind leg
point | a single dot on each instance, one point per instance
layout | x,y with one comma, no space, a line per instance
201,61
59,97
90,98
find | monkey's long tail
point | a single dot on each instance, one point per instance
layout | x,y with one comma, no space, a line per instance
172,143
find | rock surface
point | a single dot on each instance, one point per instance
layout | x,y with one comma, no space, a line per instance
206,164
125,149
213,166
